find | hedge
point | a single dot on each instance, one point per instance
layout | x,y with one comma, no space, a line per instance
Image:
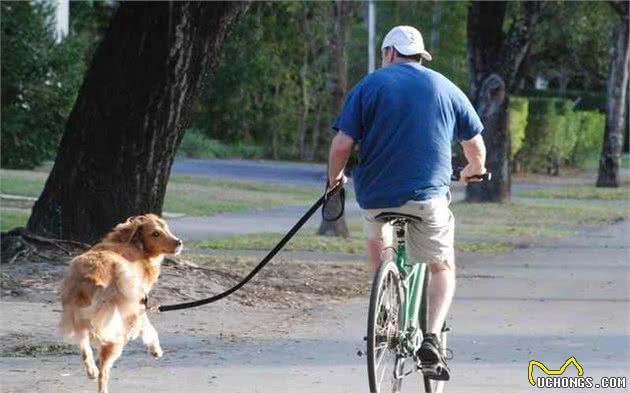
555,134
583,100
518,112
589,127
195,144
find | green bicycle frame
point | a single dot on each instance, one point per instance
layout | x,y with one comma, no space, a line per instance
413,279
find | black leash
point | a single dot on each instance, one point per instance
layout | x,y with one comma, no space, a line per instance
321,201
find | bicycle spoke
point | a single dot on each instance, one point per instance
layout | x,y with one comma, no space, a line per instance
380,380
380,346
385,344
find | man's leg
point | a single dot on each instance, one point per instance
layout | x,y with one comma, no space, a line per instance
375,248
441,291
431,240
380,237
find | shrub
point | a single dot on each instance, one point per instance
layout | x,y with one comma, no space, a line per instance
195,144
40,80
589,126
549,137
564,136
584,100
518,111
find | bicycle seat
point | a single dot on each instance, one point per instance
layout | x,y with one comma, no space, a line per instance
394,218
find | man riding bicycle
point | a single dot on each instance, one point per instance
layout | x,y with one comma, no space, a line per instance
403,118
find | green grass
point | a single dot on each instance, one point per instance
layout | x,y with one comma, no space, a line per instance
310,241
11,218
25,183
197,196
580,192
593,162
189,195
509,230
535,218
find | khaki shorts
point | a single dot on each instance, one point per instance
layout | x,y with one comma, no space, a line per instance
429,240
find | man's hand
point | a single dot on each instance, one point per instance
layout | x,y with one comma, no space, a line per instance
475,152
467,175
333,182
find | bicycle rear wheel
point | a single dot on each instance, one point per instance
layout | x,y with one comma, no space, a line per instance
383,335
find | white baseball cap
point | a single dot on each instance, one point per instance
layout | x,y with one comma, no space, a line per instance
407,40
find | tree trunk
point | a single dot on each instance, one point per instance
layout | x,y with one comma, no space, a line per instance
115,156
616,105
340,35
316,128
489,96
495,61
492,105
436,24
305,106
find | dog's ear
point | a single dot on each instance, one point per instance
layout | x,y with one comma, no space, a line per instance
129,231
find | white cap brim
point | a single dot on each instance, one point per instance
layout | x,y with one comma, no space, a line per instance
412,50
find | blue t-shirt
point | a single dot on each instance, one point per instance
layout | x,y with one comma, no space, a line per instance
403,118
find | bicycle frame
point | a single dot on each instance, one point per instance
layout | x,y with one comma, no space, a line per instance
413,278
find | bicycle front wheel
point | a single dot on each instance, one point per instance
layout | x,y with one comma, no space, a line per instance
383,337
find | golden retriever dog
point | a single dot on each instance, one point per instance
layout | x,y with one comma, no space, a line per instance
104,292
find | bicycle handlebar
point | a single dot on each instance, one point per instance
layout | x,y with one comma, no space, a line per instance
456,176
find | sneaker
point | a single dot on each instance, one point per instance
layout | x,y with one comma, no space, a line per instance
430,352
430,356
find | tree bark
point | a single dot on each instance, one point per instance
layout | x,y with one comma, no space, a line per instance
495,62
340,35
115,156
492,104
616,106
302,125
316,128
436,23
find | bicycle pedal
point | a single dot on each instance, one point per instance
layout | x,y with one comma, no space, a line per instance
438,372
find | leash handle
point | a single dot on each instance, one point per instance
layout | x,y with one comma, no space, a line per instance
330,191
339,203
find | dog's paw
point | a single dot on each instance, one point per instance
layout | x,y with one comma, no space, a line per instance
156,351
92,372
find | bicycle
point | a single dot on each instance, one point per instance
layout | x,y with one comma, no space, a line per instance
397,315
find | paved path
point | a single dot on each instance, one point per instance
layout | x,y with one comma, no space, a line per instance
567,298
278,220
267,171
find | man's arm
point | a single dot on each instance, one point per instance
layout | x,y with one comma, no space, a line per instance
475,152
340,150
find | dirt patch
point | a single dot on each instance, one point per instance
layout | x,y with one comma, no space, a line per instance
26,345
35,275
284,282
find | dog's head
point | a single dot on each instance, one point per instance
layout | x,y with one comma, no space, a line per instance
150,233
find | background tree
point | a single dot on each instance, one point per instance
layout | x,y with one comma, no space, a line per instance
339,39
40,79
116,153
495,61
616,107
569,47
